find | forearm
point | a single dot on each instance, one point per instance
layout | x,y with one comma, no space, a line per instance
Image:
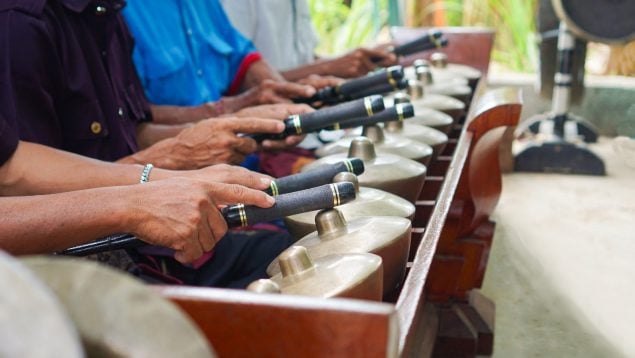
316,68
184,114
258,72
36,169
149,134
160,154
45,224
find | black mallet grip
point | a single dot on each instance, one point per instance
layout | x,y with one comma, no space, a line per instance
433,39
319,176
383,88
399,112
387,76
351,89
109,243
313,121
322,197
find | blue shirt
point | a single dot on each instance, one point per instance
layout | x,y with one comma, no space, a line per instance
187,52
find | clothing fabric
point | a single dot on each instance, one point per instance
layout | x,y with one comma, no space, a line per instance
67,78
282,30
240,258
187,52
8,140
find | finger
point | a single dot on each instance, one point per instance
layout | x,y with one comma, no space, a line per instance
368,64
217,224
206,237
274,145
248,178
190,252
292,90
255,125
245,145
236,158
233,193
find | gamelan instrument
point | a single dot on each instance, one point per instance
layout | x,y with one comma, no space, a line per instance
393,144
30,314
356,275
299,124
322,197
556,140
116,315
368,202
385,236
388,172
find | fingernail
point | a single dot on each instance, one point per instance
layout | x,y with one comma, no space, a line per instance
280,126
271,200
265,181
310,91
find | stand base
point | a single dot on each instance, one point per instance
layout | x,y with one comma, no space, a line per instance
558,156
586,130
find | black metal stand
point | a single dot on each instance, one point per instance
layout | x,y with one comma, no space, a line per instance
558,140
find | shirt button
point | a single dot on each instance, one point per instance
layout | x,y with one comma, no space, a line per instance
189,32
103,53
100,10
120,112
95,127
199,73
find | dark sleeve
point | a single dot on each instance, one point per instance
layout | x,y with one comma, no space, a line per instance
29,76
8,140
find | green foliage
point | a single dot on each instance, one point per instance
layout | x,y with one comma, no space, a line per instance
514,21
342,28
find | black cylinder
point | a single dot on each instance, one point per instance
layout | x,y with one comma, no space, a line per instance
319,176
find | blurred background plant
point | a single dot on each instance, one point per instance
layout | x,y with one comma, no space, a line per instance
343,25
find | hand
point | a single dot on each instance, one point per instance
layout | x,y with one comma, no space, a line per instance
359,62
279,111
269,91
182,213
228,174
276,111
319,82
215,141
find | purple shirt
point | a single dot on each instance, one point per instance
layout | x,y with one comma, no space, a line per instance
67,79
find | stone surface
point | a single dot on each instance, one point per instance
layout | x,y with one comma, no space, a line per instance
561,269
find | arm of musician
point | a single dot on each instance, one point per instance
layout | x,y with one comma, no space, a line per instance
179,213
184,114
208,142
353,64
36,169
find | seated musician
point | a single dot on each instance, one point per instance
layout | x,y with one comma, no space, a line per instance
177,209
284,34
67,81
191,60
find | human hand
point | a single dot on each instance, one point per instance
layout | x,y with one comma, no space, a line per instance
359,62
279,111
318,82
182,213
228,174
269,91
216,141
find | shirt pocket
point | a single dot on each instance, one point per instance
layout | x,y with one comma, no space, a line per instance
166,76
218,57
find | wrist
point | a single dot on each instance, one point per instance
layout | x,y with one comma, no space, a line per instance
164,154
